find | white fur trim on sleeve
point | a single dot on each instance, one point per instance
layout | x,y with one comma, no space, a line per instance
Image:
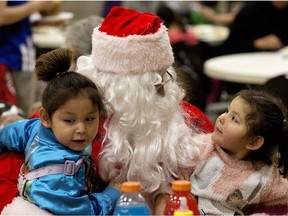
19,206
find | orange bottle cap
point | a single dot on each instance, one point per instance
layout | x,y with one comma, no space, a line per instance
131,187
181,185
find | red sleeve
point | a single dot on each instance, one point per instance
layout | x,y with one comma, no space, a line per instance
196,117
6,86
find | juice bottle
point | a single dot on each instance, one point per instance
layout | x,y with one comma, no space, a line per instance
181,188
131,202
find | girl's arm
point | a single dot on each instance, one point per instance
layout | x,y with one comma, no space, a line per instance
15,136
66,199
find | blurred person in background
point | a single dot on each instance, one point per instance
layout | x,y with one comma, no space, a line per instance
259,26
17,53
220,12
79,33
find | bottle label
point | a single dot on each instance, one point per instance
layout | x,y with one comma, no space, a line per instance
135,209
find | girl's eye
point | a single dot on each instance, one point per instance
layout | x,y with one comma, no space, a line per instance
90,119
234,119
69,120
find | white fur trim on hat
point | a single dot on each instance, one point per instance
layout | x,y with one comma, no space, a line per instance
132,54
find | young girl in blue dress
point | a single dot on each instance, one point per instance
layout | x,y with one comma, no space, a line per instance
57,144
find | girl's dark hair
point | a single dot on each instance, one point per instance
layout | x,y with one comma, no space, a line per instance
63,85
268,119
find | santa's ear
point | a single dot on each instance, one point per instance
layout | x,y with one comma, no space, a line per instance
255,143
44,117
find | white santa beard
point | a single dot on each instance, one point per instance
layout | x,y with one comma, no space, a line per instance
149,139
146,132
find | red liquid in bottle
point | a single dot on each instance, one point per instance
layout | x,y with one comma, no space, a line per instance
181,189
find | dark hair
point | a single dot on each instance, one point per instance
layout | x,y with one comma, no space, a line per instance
63,84
170,16
268,119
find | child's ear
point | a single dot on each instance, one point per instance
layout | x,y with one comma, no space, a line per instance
255,143
44,117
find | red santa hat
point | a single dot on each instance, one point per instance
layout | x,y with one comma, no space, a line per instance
131,42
